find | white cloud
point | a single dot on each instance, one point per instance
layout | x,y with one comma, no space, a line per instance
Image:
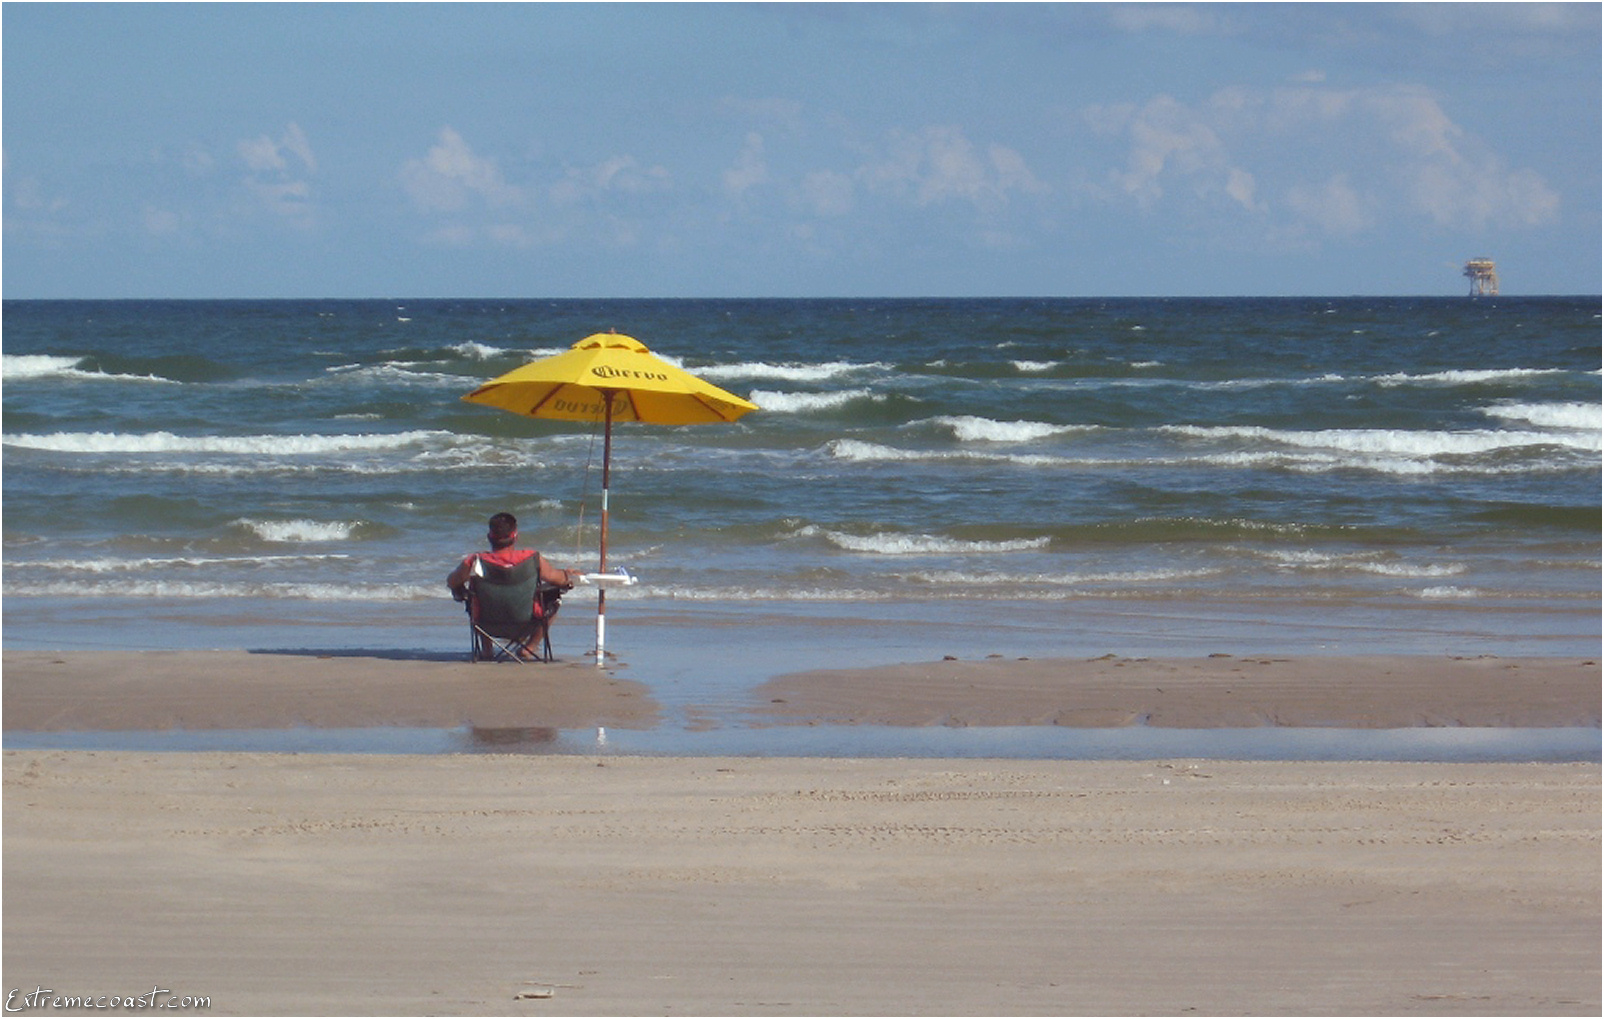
161,222
289,199
264,154
749,170
1180,19
613,176
451,176
939,165
1240,185
828,193
1167,140
27,193
1342,161
511,235
197,161
1333,206
1451,176
276,181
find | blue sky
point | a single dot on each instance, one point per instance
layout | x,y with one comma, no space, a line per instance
775,150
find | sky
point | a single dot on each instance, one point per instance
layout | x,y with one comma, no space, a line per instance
525,150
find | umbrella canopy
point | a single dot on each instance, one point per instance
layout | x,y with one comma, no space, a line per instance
609,377
574,386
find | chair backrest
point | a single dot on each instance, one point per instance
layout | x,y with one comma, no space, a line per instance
506,594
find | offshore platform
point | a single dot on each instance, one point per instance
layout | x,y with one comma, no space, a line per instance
1483,275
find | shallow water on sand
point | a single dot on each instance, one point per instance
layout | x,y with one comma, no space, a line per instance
1267,743
702,665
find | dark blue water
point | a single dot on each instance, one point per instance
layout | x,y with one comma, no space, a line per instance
242,466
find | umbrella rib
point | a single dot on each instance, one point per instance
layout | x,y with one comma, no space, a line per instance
550,393
717,411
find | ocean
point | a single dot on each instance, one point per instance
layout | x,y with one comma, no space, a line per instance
1006,476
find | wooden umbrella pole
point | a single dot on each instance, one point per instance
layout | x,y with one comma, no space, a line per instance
601,565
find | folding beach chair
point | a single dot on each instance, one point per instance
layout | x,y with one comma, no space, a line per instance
510,610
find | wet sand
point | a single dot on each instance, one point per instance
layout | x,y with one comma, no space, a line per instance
502,885
1365,692
147,690
153,690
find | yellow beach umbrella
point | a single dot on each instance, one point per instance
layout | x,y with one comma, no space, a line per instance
609,377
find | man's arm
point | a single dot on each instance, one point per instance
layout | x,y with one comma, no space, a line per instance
457,579
553,575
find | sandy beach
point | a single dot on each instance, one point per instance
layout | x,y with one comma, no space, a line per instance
1381,691
79,690
491,884
502,885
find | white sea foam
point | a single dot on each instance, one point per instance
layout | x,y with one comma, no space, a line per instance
1364,562
803,403
250,445
123,587
1034,366
968,428
404,373
110,565
476,351
856,450
1392,441
1462,376
32,366
1578,416
20,367
300,530
787,372
1413,569
1449,592
919,544
972,580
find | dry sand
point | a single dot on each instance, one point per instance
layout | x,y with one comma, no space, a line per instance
285,884
316,885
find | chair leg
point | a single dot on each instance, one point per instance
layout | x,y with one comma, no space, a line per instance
487,647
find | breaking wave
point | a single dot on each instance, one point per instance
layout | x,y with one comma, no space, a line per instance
289,531
803,403
249,445
1577,416
919,544
1392,441
22,367
791,372
980,429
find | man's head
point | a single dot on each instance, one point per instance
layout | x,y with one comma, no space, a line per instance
503,531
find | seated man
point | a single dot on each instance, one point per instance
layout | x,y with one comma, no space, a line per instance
503,534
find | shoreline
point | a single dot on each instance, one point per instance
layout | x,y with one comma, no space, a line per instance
208,690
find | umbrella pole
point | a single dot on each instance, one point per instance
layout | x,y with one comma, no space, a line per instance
601,565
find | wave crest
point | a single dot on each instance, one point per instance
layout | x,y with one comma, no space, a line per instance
803,403
294,531
886,543
250,445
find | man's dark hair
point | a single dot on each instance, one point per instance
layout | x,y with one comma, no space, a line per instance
503,530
